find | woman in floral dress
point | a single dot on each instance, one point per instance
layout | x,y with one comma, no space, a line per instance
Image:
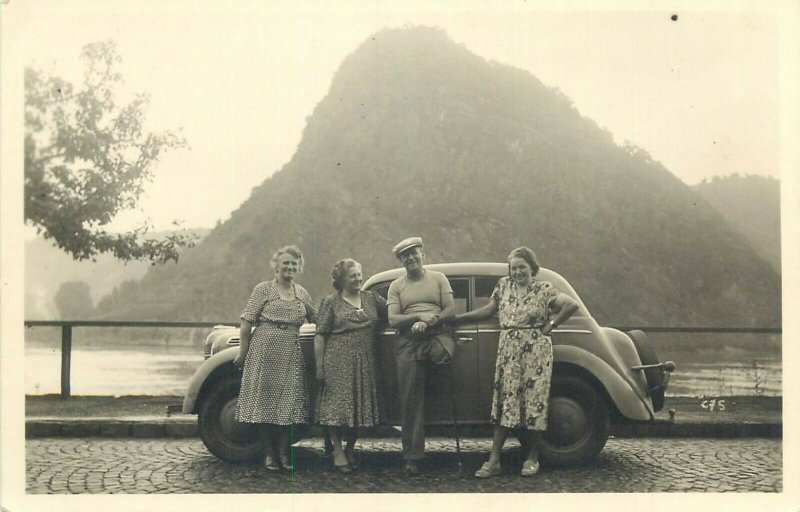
273,392
345,360
528,310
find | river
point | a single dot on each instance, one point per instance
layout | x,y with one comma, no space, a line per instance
165,370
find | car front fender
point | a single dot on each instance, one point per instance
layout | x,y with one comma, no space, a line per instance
621,393
201,375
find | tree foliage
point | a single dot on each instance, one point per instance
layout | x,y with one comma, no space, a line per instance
88,158
74,300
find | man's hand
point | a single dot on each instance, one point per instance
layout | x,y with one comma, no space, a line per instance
426,317
419,327
238,362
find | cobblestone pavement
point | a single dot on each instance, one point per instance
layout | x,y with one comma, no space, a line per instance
95,465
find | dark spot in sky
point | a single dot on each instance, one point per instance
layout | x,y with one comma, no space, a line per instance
338,163
674,17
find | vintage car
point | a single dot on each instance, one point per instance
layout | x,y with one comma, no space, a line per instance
600,375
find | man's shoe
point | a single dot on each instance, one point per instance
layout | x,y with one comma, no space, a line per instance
412,469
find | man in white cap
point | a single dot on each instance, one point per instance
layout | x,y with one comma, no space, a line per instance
419,303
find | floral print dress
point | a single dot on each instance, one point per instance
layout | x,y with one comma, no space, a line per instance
524,355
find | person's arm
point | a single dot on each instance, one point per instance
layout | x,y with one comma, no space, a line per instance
399,320
245,332
319,355
485,311
561,308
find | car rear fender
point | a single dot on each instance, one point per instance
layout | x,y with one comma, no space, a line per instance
201,375
621,393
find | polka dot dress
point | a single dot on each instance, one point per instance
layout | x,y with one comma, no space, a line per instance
273,379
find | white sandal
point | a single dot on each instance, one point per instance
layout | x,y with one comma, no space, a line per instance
529,468
487,471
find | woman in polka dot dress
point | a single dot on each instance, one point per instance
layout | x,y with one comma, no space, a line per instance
344,349
273,392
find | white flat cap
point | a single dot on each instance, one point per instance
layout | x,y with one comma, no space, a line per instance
408,243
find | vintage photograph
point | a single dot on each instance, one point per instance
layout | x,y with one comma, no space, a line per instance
433,250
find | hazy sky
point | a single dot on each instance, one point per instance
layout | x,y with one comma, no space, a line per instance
701,93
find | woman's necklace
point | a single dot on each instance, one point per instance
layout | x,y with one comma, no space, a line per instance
354,301
284,290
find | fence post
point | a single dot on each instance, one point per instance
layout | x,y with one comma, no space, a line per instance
66,355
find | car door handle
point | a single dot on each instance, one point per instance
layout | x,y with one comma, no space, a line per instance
465,339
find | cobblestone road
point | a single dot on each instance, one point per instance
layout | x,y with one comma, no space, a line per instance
59,465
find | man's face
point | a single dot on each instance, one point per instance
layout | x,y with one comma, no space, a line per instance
412,259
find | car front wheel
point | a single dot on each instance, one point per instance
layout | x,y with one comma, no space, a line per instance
221,433
577,427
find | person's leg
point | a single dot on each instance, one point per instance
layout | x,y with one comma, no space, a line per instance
339,458
284,436
499,439
492,466
411,391
268,441
351,436
533,453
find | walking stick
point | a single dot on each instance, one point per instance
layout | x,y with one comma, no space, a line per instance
455,418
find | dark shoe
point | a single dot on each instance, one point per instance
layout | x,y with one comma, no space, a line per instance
286,462
352,460
412,468
270,463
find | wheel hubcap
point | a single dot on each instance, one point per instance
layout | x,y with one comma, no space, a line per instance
568,422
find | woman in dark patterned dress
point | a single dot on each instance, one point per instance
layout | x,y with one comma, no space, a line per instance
345,357
273,393
529,310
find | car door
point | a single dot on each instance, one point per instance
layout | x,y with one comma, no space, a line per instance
446,399
488,332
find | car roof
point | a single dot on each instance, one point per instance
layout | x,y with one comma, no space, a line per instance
475,268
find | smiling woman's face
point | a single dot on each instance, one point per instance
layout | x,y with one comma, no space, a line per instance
353,279
521,272
288,266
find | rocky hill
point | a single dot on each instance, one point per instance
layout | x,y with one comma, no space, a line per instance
419,136
753,205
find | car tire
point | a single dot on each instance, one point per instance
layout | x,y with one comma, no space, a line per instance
578,421
223,436
653,376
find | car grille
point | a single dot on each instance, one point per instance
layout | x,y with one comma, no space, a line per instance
207,351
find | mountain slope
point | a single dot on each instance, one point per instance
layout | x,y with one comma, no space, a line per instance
753,205
418,136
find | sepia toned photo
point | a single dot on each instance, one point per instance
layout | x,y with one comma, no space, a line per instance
398,257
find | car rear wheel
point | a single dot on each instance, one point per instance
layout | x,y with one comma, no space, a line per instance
221,433
577,427
654,376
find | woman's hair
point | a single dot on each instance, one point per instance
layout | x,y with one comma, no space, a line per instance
291,250
527,255
340,269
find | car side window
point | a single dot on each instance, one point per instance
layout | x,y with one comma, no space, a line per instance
382,289
484,286
460,288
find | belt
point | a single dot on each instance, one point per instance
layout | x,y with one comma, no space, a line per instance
280,325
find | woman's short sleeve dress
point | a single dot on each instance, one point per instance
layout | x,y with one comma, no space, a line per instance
273,378
524,355
349,396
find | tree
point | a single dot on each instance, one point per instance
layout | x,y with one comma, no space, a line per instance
73,300
87,159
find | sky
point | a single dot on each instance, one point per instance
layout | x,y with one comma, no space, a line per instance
700,93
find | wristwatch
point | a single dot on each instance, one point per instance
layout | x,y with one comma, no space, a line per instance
552,324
